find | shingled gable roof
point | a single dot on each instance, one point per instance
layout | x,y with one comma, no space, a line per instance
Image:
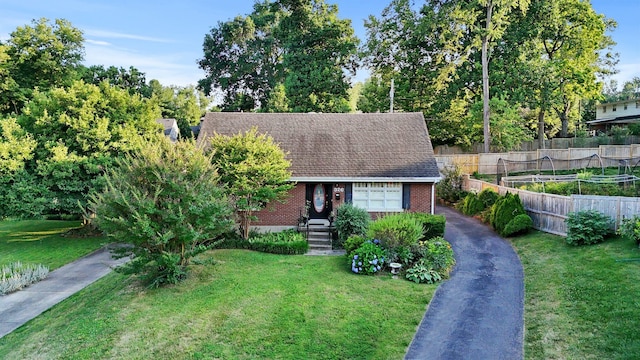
348,147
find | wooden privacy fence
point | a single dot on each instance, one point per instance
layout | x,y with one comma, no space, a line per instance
549,211
486,163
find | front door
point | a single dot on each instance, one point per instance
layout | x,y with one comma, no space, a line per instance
319,198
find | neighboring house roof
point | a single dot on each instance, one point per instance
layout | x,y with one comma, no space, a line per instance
629,119
170,128
348,147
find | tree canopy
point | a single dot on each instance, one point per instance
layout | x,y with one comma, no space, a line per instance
41,56
300,45
253,169
542,60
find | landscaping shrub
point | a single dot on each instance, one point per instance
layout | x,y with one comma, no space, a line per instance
438,253
402,254
630,229
368,259
587,227
471,205
520,224
422,272
432,225
166,201
352,243
450,188
505,210
288,242
15,276
396,230
435,261
351,220
488,197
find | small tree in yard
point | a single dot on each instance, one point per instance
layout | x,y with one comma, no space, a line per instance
167,202
254,170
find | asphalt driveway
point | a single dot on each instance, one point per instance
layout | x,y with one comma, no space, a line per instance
478,312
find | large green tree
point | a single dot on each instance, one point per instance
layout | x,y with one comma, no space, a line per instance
452,52
318,49
79,132
185,104
567,52
132,79
301,45
254,171
41,56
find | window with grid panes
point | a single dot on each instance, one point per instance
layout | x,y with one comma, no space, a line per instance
378,196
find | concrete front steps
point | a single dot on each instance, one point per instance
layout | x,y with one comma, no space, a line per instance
319,235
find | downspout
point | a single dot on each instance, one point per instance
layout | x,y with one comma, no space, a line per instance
433,198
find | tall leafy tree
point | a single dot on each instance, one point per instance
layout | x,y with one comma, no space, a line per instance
302,45
80,130
319,48
242,57
132,79
42,56
568,51
254,171
185,104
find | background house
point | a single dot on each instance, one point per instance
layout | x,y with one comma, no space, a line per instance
621,113
381,162
170,127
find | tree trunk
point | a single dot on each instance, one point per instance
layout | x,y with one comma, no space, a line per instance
541,129
486,113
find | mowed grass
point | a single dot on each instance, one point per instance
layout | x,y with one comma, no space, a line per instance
580,302
40,242
247,305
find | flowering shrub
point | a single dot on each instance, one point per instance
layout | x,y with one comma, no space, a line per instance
435,261
368,259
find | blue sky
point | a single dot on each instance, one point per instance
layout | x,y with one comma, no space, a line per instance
164,38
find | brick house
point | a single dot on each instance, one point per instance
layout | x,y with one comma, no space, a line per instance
381,162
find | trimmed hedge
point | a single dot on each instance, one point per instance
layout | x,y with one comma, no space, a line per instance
520,224
288,242
432,225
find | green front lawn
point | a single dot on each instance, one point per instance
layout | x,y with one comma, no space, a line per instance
40,242
580,302
248,305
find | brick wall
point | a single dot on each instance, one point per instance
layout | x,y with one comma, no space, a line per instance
285,213
420,200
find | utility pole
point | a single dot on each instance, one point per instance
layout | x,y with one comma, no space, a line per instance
391,97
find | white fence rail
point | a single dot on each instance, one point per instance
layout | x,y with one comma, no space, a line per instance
549,211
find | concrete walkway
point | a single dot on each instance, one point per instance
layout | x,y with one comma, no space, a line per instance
478,312
21,306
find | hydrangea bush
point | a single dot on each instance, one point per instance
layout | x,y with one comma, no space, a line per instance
368,259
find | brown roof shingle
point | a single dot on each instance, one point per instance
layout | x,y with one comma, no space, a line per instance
340,145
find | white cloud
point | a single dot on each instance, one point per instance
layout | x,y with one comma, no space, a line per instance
118,35
97,42
166,68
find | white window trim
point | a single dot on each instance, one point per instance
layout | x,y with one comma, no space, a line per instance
390,190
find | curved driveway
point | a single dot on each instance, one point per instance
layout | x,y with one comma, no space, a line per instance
478,312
